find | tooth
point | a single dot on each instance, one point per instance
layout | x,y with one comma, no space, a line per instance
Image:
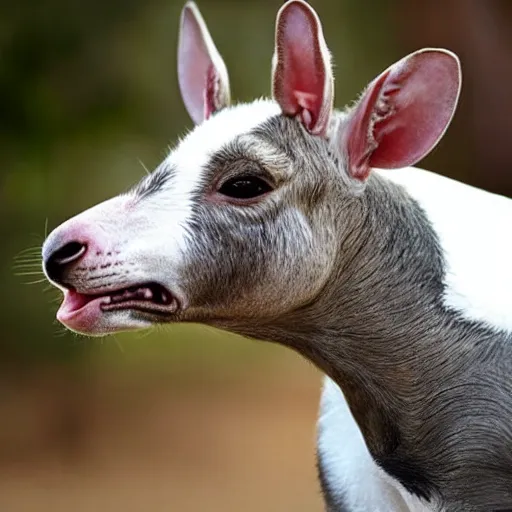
173,306
164,297
147,293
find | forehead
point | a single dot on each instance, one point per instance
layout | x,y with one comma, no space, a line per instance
181,172
208,138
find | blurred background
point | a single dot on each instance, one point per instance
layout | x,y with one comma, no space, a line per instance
182,418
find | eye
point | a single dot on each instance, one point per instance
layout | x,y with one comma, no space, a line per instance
244,187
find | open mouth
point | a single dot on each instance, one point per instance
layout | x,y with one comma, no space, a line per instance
150,298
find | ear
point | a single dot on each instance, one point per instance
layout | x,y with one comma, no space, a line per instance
403,113
202,74
302,81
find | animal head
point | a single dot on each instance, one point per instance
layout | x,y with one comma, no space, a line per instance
242,221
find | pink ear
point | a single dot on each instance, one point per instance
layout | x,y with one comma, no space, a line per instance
302,81
403,113
202,74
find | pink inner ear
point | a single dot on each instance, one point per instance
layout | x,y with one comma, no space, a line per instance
201,71
404,113
302,80
211,92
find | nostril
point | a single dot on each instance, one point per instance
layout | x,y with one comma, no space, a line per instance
58,260
70,252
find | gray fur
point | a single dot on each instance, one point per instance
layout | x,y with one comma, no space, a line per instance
354,282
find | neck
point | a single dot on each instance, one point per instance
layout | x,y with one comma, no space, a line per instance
380,330
380,306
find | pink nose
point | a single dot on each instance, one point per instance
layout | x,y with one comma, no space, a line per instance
57,257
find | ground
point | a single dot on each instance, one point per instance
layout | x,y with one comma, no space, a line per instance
153,443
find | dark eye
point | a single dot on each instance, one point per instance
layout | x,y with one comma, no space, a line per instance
246,187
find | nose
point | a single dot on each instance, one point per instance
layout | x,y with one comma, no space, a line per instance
58,259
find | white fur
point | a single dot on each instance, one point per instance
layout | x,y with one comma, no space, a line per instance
194,151
474,230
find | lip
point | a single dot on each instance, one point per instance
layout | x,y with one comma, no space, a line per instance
90,313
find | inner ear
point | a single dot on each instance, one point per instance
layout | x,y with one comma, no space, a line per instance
302,81
403,114
202,74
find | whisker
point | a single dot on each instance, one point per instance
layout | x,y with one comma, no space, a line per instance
28,257
33,261
78,339
34,249
144,167
38,281
141,335
28,271
31,248
34,264
119,345
34,253
27,266
32,256
60,330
